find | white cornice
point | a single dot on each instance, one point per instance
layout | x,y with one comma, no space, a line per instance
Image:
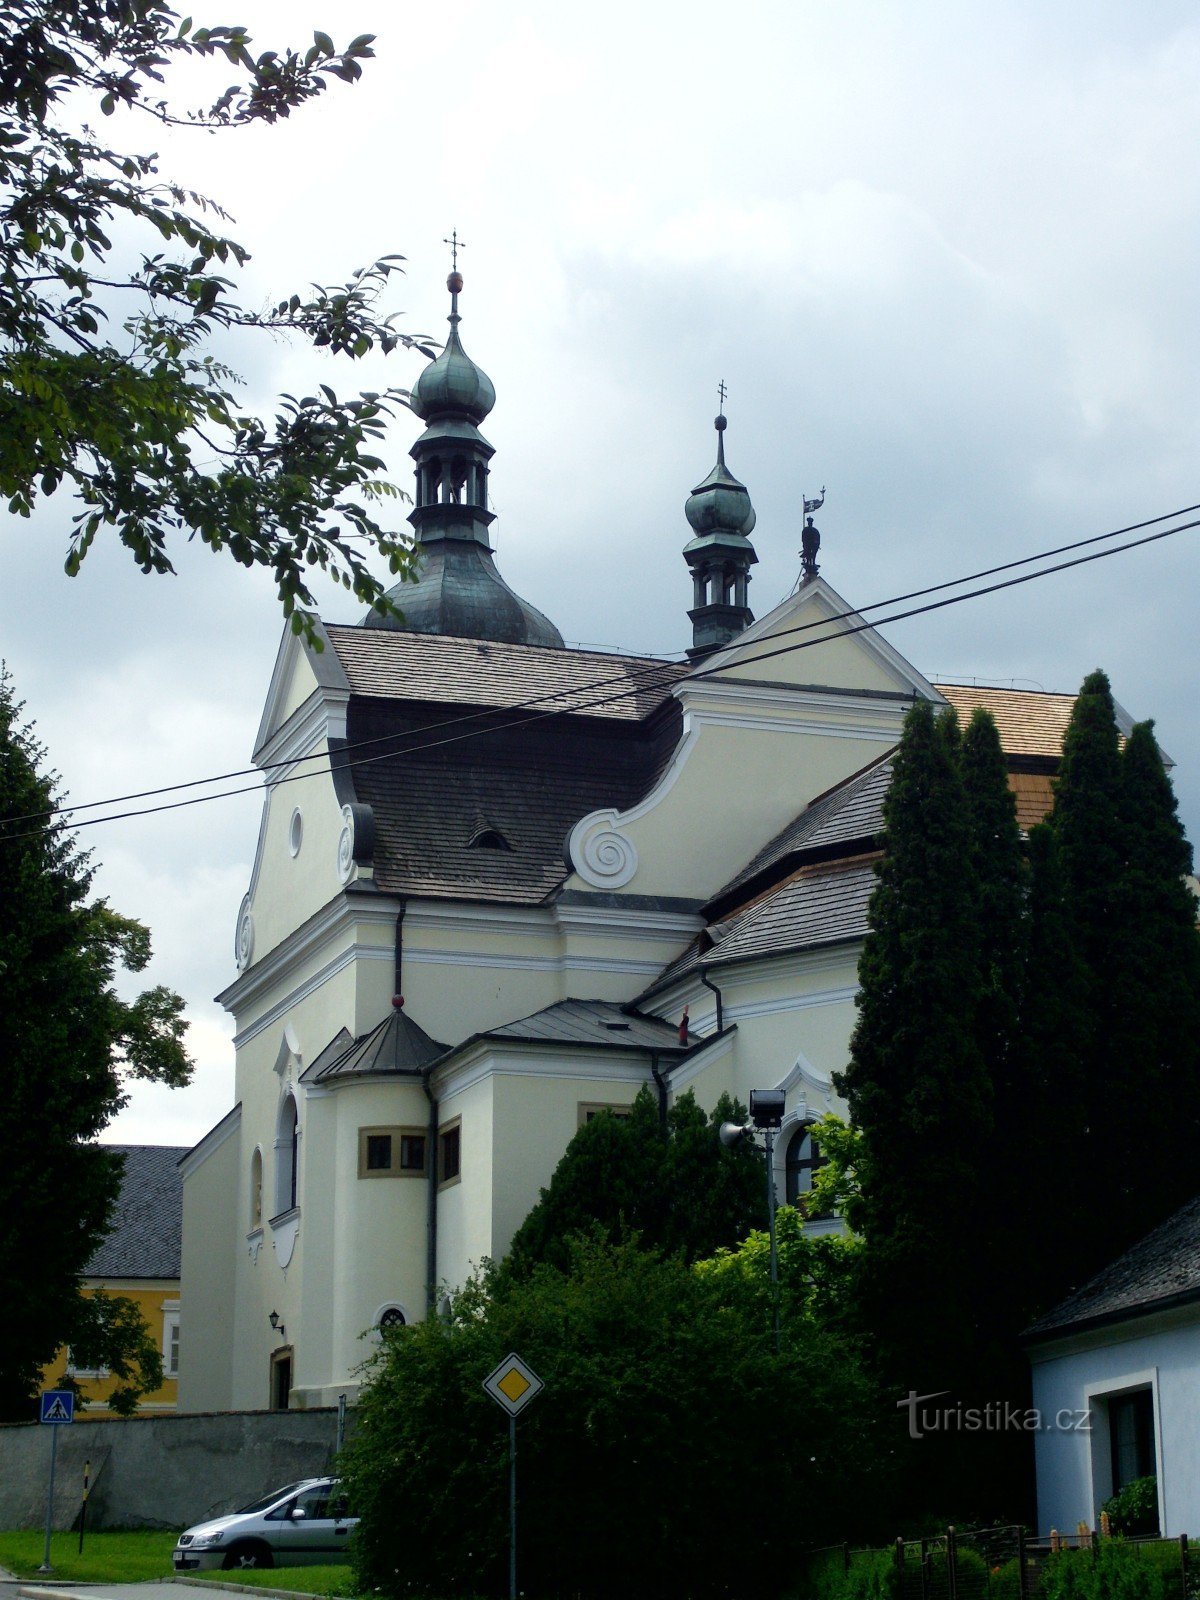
339,917
618,923
781,970
518,963
775,708
212,1141
463,917
322,717
491,1058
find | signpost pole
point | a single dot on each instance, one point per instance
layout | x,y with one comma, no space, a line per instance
45,1566
512,1508
87,1474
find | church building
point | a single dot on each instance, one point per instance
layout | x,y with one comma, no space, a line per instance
501,884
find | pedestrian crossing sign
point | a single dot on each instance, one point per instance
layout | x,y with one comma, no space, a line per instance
58,1406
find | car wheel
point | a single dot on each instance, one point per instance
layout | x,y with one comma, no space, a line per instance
247,1556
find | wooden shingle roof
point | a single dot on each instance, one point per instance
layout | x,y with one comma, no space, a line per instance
1030,722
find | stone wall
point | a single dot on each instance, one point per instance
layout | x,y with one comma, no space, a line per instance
161,1472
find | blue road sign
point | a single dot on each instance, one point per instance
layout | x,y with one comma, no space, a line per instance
58,1406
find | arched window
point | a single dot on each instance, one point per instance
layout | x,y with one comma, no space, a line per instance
803,1158
256,1194
287,1156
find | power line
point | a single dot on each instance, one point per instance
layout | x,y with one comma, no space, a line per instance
746,659
654,665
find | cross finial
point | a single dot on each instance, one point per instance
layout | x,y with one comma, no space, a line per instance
456,244
722,391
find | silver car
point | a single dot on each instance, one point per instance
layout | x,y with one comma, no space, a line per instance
302,1524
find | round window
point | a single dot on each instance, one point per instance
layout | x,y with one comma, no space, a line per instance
393,1317
296,832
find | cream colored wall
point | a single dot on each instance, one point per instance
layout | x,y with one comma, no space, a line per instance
207,1278
830,656
379,1239
288,889
465,1208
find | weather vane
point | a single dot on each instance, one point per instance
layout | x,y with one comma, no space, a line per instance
810,538
456,244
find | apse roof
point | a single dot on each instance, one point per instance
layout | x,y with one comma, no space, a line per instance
144,1239
396,1045
592,1022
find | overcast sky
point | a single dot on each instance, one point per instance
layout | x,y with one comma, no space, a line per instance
943,254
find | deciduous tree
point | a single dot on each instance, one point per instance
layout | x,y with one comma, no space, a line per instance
115,282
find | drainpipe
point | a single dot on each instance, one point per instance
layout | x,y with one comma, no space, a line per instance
660,1084
703,975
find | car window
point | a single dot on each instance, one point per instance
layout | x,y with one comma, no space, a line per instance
268,1500
314,1502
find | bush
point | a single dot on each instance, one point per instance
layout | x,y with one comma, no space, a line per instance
1134,1509
650,1464
872,1576
1113,1571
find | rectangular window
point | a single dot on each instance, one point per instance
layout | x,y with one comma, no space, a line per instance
170,1343
449,1154
379,1152
1131,1437
391,1152
590,1109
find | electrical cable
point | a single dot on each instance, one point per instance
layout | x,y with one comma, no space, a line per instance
654,666
747,659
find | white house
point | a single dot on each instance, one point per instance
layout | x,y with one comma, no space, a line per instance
1116,1379
492,876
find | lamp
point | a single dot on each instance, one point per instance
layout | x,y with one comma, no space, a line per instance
766,1114
277,1325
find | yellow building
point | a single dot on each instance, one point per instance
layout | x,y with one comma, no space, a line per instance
139,1260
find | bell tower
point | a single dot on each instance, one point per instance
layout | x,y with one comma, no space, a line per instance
720,554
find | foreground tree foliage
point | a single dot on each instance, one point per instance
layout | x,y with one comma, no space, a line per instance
71,1044
114,283
1024,1081
671,1452
676,1185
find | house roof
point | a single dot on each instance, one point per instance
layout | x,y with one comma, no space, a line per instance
144,1239
386,664
1159,1272
1030,722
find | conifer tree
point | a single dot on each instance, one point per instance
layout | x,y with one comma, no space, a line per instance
916,1082
70,1043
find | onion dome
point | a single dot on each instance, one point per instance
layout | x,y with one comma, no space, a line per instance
719,555
453,383
458,591
720,504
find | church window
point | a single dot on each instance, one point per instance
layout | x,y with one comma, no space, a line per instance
287,1157
296,833
392,1152
803,1160
450,1154
256,1189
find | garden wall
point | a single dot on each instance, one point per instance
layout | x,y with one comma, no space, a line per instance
161,1472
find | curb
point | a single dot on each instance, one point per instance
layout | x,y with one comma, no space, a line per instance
248,1589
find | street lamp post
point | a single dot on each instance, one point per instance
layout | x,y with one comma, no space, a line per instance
766,1115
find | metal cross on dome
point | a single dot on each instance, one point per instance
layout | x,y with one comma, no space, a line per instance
722,391
456,244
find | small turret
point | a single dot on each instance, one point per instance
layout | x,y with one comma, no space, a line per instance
720,555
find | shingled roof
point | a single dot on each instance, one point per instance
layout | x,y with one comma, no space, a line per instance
1160,1272
384,664
599,1023
144,1239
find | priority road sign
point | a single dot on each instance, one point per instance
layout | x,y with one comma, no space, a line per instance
513,1384
58,1406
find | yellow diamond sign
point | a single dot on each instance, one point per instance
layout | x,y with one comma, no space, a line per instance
513,1384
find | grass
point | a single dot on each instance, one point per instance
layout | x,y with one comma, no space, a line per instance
108,1556
326,1581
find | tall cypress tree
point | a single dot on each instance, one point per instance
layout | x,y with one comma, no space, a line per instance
1156,1001
916,1082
